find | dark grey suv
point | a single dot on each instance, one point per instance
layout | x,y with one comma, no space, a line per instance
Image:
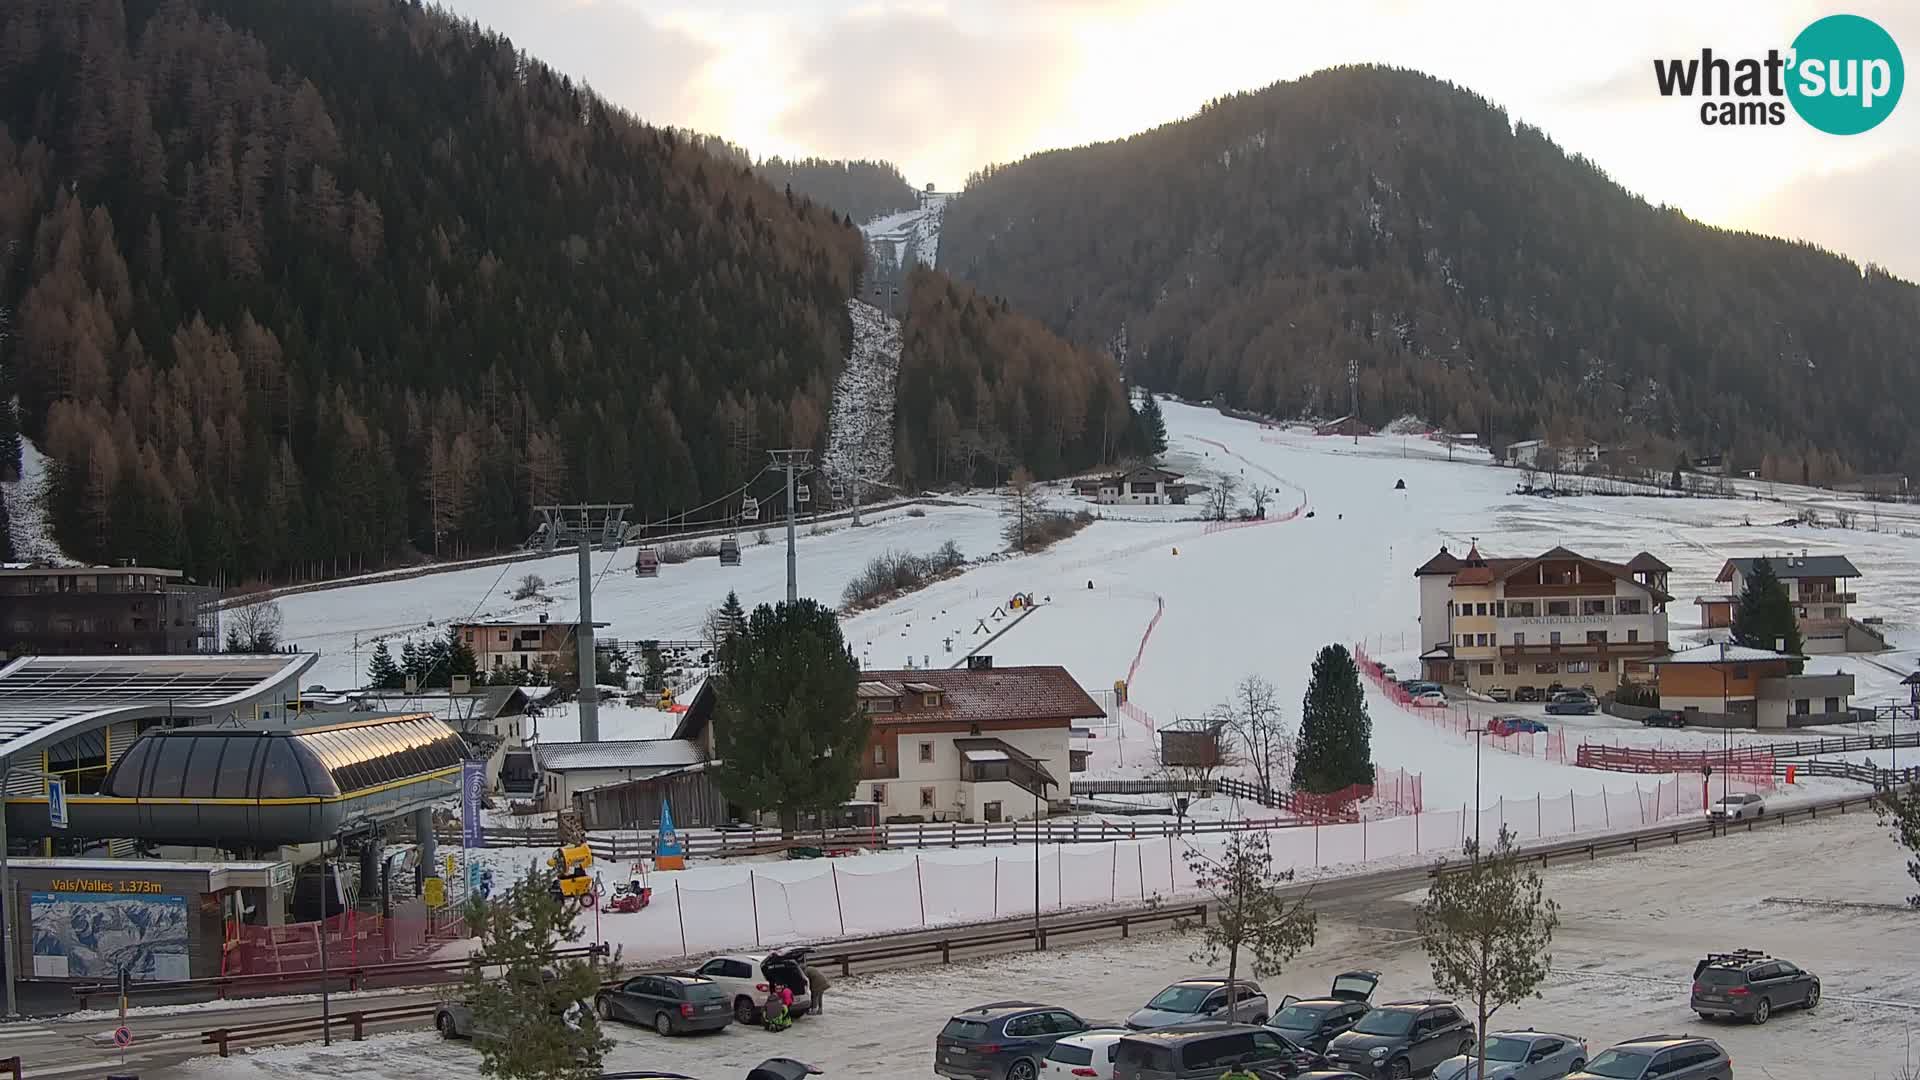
1668,1057
1750,985
1402,1038
1006,1040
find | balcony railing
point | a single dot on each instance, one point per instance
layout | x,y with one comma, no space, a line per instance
1827,598
1595,650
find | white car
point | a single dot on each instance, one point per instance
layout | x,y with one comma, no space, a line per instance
1737,808
1430,699
744,978
1081,1056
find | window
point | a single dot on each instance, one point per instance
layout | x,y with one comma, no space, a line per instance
1546,669
1633,636
926,751
1024,1027
879,705
879,753
880,793
170,768
1832,705
1512,669
1466,639
1487,669
1499,609
1593,607
1524,609
926,798
1579,667
280,776
1546,1048
1604,665
1480,640
1559,607
1596,637
1519,638
1630,605
204,769
1479,609
931,701
1554,637
1802,706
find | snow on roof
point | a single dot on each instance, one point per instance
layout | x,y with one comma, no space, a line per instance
625,754
1711,653
984,755
1795,566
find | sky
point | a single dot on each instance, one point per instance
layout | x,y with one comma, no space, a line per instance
943,87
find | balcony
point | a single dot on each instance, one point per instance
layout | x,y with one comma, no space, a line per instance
1812,597
1585,650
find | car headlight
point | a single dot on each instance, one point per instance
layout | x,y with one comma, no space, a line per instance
1378,1051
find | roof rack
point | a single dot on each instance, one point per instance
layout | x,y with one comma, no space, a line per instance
1738,957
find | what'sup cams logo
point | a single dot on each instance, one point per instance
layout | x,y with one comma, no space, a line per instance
1843,75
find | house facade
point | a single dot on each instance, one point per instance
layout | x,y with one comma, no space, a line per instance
969,744
1817,586
1144,486
1734,686
1539,454
516,643
1556,618
104,611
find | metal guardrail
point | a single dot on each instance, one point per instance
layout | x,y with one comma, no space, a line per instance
356,1021
356,978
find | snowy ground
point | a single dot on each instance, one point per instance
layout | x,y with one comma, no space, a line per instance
1631,928
909,236
860,427
31,531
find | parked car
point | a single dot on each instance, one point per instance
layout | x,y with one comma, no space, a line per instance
1668,718
745,978
1430,699
1085,1055
1312,1023
1499,693
1004,1040
1515,725
1418,686
1204,1050
670,1004
1668,1057
1571,703
456,1020
1750,985
1201,999
1737,807
1519,1055
1527,693
1402,1038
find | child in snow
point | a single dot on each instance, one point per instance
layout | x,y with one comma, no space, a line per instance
779,1009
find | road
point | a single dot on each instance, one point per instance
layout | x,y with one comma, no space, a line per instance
80,1046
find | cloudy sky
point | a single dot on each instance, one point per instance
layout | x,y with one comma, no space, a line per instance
942,87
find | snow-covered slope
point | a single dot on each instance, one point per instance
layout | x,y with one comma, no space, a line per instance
27,510
897,241
860,427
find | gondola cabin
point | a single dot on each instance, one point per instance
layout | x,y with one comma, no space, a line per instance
838,490
804,495
647,562
729,551
750,509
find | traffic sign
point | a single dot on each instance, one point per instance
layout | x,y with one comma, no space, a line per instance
57,803
436,893
122,1037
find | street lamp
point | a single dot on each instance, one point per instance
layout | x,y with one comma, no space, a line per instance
1039,808
1479,736
1726,728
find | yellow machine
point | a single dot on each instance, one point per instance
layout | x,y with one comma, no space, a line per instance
570,866
666,697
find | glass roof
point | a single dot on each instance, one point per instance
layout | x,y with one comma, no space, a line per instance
208,762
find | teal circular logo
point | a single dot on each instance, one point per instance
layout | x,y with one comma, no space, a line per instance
1846,76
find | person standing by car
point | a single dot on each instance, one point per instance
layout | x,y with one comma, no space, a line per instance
817,985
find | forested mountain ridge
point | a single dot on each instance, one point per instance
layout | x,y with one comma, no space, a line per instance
297,282
861,189
1476,274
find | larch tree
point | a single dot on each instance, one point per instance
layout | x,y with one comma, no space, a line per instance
1488,929
788,731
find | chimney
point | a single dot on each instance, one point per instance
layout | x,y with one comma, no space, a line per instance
979,663
543,616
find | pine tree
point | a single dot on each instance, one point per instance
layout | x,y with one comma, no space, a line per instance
1336,734
1764,619
733,618
1152,427
790,735
1487,929
460,658
382,672
413,662
532,1010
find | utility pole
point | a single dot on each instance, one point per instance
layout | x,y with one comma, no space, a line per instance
583,633
7,898
789,460
1353,397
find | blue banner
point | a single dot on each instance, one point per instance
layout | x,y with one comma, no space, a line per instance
473,785
669,842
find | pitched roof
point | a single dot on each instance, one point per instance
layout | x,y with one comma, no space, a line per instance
991,749
1794,566
622,754
1735,654
1647,562
1443,563
1045,692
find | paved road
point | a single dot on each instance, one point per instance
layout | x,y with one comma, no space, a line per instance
79,1047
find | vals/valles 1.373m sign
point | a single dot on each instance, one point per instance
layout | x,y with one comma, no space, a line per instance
1843,75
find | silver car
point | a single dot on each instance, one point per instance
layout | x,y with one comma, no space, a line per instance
1201,999
1737,808
1519,1055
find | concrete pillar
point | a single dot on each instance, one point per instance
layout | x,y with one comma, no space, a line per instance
429,849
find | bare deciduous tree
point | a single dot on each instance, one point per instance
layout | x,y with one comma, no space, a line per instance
1221,497
529,587
1254,720
1261,495
1023,506
253,628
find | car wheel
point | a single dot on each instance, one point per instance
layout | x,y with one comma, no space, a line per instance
444,1022
1466,1049
663,1023
1761,1012
1813,996
1261,1019
1578,1064
1021,1070
602,1009
1400,1069
744,1012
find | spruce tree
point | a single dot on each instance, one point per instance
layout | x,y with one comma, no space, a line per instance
1152,427
733,617
413,661
788,730
460,658
1336,734
382,672
534,1014
1764,619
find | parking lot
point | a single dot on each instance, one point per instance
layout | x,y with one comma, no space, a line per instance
1631,928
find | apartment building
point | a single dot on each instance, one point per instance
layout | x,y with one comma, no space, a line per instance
519,643
1823,599
103,611
1530,623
